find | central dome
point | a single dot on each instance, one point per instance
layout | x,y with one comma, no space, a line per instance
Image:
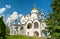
34,8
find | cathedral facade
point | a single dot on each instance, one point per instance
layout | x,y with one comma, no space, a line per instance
31,25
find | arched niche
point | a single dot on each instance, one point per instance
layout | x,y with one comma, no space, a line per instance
36,33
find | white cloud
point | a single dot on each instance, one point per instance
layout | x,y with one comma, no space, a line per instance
20,15
12,17
8,6
8,20
2,10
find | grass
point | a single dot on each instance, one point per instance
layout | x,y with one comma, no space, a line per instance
22,37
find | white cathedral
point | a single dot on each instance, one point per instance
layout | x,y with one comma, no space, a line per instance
31,25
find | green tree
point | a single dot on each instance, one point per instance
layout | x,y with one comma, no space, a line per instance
53,21
2,29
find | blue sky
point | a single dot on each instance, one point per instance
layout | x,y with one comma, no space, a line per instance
24,6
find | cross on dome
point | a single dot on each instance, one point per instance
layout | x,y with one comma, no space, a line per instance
35,10
34,7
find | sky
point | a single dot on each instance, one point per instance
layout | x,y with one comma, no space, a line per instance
10,8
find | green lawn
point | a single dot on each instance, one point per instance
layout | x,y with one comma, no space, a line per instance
22,37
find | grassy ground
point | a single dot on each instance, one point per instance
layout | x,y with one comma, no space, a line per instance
22,37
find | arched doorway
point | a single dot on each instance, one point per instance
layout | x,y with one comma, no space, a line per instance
29,26
36,33
36,25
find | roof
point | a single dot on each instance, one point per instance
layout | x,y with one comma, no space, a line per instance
16,24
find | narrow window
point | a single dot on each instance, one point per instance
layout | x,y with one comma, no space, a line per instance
35,25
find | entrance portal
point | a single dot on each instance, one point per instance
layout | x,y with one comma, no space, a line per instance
36,33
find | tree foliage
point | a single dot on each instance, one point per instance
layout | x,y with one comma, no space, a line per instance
53,21
2,29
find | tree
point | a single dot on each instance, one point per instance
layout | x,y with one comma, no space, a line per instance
2,29
53,21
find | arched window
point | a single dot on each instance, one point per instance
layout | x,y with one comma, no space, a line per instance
28,15
36,33
29,26
35,25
